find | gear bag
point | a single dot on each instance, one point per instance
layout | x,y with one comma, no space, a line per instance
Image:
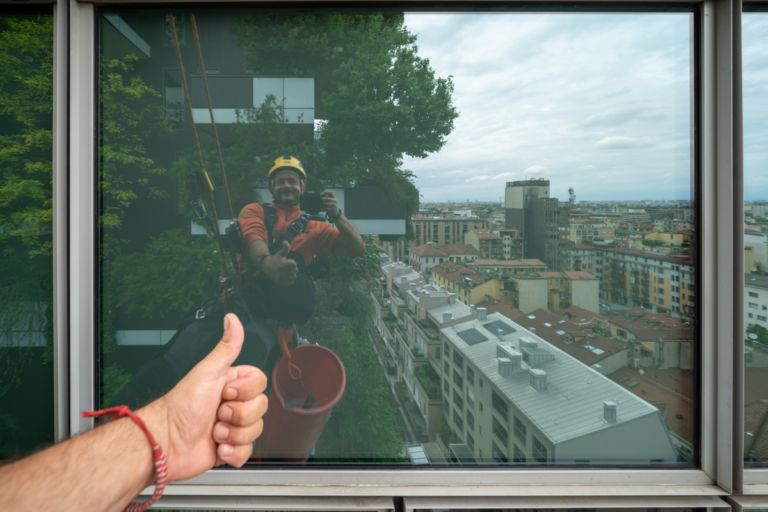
196,337
291,304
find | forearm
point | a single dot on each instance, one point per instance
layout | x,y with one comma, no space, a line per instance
349,238
103,469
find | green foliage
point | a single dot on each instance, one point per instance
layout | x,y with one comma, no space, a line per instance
131,115
342,322
760,332
377,99
26,142
172,274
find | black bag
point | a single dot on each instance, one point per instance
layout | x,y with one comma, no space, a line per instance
198,334
286,304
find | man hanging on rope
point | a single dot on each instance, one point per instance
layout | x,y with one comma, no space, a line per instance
281,242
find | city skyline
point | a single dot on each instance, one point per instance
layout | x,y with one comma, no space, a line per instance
548,114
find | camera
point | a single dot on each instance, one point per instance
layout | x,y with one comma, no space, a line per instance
312,203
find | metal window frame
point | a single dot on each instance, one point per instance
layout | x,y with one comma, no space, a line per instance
718,103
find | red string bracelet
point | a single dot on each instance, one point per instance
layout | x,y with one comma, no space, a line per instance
161,466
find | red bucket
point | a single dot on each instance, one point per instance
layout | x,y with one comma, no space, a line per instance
290,433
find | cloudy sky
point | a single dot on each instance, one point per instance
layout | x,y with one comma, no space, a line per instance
755,66
600,103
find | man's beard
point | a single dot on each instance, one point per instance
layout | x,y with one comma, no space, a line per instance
287,198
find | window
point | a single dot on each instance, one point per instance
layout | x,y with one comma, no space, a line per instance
26,231
520,430
755,82
539,450
499,404
660,85
500,432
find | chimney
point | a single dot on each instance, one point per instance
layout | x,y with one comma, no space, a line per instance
537,379
610,411
528,342
482,313
447,317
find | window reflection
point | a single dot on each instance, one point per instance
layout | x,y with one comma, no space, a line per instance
755,83
26,290
496,317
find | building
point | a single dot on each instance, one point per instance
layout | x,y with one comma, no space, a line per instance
505,269
487,243
658,282
423,257
446,229
660,340
756,300
511,243
545,405
555,291
530,210
469,285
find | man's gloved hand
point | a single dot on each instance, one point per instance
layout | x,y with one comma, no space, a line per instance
330,205
279,267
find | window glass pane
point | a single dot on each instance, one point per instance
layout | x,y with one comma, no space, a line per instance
755,83
525,201
26,282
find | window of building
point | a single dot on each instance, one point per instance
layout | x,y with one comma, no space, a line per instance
539,450
520,430
147,191
500,431
26,230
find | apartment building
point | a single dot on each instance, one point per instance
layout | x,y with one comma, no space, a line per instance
444,229
423,257
555,291
469,285
511,396
487,243
663,283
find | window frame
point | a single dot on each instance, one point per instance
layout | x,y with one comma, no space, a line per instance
717,102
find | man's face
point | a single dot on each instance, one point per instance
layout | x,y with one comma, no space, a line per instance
286,187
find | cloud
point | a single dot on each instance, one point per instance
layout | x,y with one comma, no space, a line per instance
618,142
547,94
534,169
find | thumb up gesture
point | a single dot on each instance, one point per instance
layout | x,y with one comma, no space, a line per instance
279,267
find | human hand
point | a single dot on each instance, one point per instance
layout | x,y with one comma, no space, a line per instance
279,267
330,205
213,415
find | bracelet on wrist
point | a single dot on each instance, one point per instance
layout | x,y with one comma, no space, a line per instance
337,217
158,457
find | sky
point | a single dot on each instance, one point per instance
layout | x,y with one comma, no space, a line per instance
597,102
755,83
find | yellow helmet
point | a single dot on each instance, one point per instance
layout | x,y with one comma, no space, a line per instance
287,162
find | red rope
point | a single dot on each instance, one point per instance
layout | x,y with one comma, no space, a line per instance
204,76
188,102
284,337
158,457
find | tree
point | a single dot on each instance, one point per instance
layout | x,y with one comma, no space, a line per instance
378,99
757,333
342,322
26,202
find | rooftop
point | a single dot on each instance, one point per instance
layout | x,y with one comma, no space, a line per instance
445,250
572,404
647,325
459,274
510,263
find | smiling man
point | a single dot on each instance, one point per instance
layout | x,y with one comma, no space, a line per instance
283,286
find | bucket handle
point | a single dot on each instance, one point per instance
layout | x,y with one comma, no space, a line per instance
284,336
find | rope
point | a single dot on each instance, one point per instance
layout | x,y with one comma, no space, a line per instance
204,76
284,337
198,146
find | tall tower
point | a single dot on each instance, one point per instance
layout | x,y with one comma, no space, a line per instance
527,209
